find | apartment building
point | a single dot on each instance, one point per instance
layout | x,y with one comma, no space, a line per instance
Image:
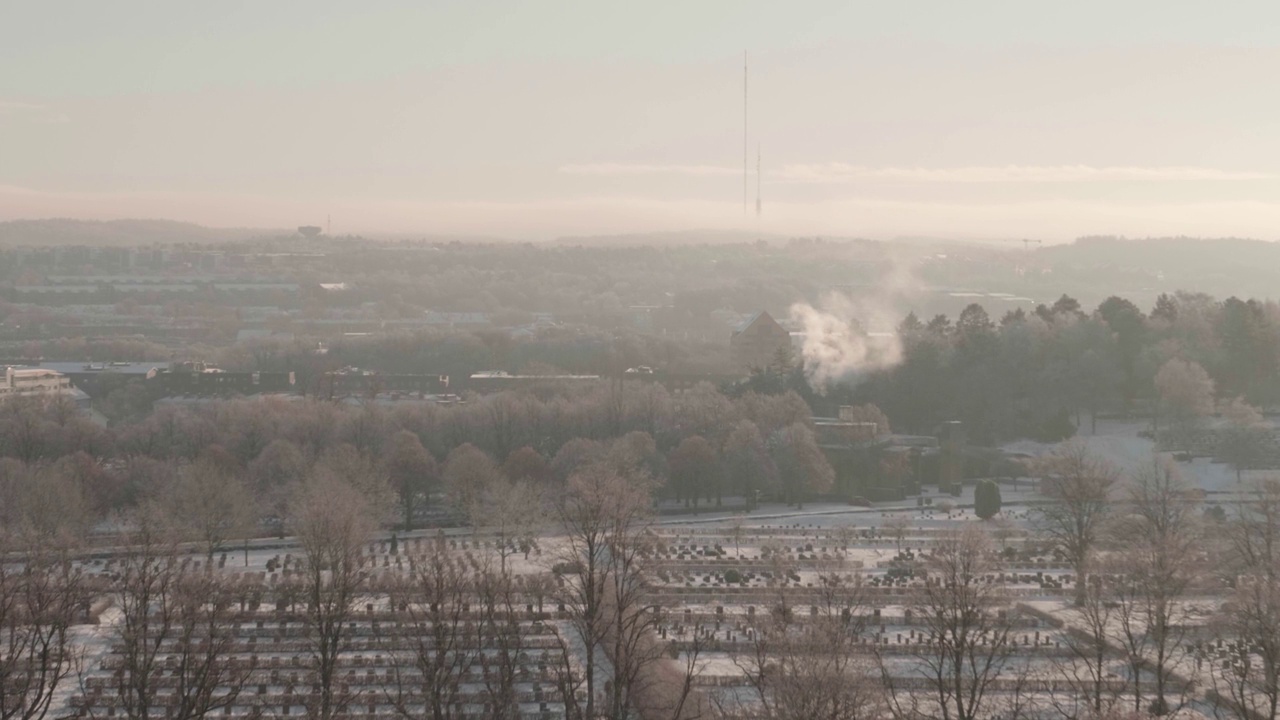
31,382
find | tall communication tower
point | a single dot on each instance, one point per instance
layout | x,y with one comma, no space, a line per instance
757,180
744,133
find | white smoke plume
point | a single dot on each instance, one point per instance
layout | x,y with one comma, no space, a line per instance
846,337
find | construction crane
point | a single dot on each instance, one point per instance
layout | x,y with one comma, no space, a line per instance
1026,244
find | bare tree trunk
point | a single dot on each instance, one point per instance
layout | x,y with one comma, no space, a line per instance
429,646
812,668
499,631
1159,544
1079,486
333,524
168,612
969,642
602,514
41,596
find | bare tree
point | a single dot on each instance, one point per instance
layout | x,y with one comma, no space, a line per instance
499,632
412,472
597,511
1130,630
26,431
812,667
1078,486
277,474
803,471
635,457
896,527
1248,677
175,633
748,462
430,646
1158,544
695,471
634,616
332,524
575,455
737,531
515,511
468,474
818,677
1254,528
1087,638
527,464
1249,622
571,681
42,594
44,504
211,505
1185,393
363,474
969,643
504,416
1242,441
685,703
365,428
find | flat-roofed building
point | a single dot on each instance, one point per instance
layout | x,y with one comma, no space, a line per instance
34,382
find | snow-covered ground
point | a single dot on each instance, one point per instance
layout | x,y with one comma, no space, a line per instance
1119,443
819,539
836,538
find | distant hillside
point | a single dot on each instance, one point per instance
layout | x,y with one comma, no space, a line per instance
61,231
1185,252
1219,266
662,239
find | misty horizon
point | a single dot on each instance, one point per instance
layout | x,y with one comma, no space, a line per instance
569,360
990,122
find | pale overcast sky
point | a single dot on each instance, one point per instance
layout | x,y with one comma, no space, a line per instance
535,119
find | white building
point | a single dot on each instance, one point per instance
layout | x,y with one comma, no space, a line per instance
31,382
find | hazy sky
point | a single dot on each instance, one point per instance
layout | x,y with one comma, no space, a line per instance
535,119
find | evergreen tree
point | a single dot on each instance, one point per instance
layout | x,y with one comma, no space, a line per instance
986,499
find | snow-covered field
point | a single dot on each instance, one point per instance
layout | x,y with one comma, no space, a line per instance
779,550
717,576
1118,442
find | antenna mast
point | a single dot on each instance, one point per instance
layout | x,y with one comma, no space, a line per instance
757,180
744,133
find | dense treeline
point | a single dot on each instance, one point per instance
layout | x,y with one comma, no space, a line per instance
1034,374
699,445
1039,374
1042,373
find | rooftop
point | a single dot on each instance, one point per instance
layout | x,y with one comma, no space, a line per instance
122,368
34,372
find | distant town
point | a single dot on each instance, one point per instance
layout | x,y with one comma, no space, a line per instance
776,479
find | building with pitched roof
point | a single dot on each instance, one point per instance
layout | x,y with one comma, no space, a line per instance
758,342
